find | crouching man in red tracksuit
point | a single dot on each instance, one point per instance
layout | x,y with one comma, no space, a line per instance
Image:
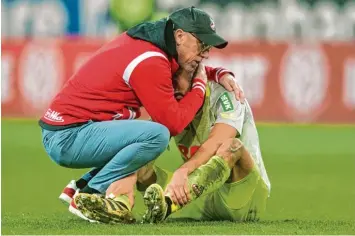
90,123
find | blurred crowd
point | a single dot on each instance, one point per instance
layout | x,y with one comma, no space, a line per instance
238,20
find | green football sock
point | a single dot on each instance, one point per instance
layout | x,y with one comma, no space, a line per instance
206,179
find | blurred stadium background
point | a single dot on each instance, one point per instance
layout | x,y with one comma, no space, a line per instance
294,59
298,56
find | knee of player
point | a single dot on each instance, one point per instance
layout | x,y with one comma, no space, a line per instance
145,172
230,150
145,177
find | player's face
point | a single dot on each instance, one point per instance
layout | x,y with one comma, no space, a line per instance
191,51
182,84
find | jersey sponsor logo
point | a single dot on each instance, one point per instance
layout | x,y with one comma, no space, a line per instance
53,116
226,102
229,116
198,189
187,152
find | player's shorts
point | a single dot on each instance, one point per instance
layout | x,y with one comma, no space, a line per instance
244,200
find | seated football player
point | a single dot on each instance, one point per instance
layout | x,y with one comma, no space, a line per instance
223,177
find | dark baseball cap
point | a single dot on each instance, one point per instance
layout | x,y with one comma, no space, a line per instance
198,22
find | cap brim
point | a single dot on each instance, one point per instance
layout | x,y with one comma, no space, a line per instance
213,39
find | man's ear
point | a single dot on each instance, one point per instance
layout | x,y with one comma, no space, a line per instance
179,35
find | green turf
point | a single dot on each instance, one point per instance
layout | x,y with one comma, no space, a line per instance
312,170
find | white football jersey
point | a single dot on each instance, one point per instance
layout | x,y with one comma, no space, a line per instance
220,106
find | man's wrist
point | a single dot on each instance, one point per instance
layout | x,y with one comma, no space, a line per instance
188,167
222,73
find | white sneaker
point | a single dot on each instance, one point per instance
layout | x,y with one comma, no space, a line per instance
68,193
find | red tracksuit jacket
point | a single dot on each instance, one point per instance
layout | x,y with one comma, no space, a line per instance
117,80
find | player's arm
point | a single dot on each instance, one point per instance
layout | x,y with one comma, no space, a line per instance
219,133
151,81
177,188
229,123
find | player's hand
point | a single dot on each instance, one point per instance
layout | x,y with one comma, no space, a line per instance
229,83
178,189
201,72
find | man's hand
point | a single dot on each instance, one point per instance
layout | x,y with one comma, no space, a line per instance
229,83
178,189
123,186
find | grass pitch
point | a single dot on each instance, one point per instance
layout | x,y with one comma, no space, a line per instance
311,168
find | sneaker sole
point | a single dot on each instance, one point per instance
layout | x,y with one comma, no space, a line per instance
79,214
154,200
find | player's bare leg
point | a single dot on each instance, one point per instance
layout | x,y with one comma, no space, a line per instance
146,176
203,180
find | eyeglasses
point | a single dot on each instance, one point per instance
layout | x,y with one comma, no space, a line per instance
202,46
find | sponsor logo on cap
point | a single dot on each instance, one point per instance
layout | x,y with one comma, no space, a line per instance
213,26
